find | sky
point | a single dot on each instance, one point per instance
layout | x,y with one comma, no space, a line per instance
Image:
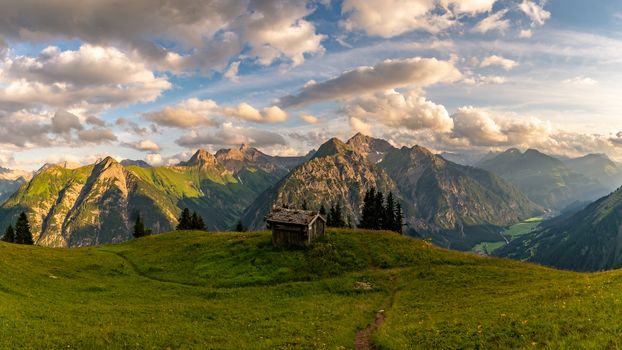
157,79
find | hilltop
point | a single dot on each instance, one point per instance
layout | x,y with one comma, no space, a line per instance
234,291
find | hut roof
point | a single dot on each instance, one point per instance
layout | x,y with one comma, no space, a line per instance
293,216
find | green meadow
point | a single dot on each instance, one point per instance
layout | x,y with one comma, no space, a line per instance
234,290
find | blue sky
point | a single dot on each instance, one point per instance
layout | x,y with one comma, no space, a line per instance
156,80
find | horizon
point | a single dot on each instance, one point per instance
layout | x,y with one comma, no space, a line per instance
453,76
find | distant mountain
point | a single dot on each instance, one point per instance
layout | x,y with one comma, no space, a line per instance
544,179
599,167
11,181
138,163
457,206
337,172
464,158
98,203
588,240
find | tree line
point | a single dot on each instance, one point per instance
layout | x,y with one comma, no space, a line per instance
376,214
186,221
21,234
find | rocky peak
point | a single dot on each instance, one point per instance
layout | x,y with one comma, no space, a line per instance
372,148
201,158
331,147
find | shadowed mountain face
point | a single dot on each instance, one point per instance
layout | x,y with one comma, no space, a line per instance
457,206
544,179
598,167
98,203
589,240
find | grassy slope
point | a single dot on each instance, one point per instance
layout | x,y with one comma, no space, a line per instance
233,290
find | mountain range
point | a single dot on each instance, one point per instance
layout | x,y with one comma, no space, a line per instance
457,206
547,180
94,204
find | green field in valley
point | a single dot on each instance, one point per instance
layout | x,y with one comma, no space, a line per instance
234,290
508,235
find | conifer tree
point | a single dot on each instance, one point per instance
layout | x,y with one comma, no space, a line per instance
304,205
9,235
22,230
323,211
199,223
367,214
239,227
139,227
338,217
379,215
399,218
389,214
185,220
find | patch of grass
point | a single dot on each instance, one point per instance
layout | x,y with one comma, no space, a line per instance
235,291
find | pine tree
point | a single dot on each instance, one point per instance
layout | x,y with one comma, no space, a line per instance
378,211
9,235
304,205
200,224
323,212
185,220
338,217
194,221
22,230
367,213
139,227
399,218
239,227
389,214
330,218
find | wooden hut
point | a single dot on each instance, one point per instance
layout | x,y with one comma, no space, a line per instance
292,227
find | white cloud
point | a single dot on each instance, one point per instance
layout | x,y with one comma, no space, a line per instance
525,33
409,110
388,74
90,77
309,119
494,22
247,112
535,12
500,61
228,135
580,81
63,122
232,72
144,145
389,18
186,114
97,135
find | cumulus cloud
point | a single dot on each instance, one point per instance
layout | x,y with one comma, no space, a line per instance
278,28
394,17
143,145
388,74
97,135
500,61
228,135
494,22
64,122
535,12
247,112
309,119
186,114
407,110
90,77
206,34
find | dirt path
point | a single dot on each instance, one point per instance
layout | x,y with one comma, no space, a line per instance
362,340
